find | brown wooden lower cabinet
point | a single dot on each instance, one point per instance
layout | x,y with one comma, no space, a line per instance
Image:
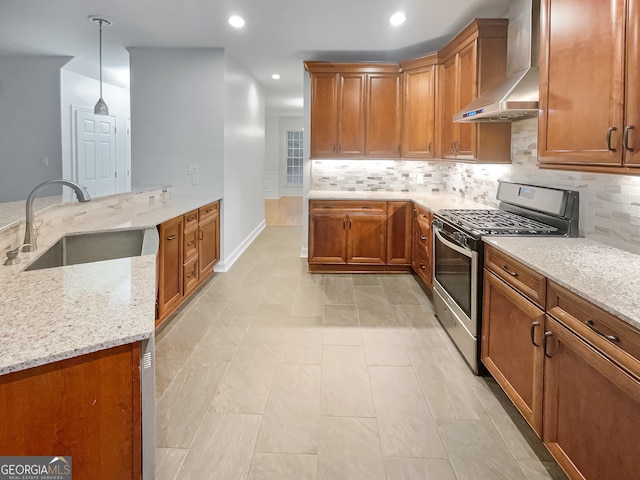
591,410
573,372
353,236
422,245
87,407
511,344
189,248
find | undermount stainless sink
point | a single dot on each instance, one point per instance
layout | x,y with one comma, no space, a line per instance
97,247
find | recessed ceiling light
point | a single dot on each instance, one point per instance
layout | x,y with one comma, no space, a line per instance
397,19
236,21
275,76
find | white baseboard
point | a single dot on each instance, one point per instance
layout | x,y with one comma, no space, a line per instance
225,265
304,253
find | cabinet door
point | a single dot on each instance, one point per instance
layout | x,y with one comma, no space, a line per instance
327,238
512,331
366,239
399,217
581,82
324,114
383,115
208,244
449,89
170,265
591,410
422,246
351,115
632,83
418,125
467,92
87,407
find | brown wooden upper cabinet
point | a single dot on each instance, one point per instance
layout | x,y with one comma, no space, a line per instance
419,107
589,85
356,110
471,64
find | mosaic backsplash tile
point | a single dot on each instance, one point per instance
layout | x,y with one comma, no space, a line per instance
377,175
609,204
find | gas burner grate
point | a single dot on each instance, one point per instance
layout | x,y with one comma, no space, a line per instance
496,221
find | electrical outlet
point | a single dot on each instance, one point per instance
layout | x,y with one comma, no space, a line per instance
44,161
192,169
195,179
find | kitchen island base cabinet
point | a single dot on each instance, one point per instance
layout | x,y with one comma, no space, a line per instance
87,407
189,249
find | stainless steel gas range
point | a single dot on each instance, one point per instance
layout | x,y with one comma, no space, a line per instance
458,252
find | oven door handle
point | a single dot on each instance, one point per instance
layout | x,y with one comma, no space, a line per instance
467,252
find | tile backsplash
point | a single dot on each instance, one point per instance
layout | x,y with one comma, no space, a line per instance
609,204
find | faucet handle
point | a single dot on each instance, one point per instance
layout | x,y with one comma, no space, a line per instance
12,255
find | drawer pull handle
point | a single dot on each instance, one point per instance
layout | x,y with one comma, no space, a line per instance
191,219
544,346
609,132
533,333
366,207
201,234
422,237
191,243
208,210
592,326
172,237
625,138
506,269
423,266
191,274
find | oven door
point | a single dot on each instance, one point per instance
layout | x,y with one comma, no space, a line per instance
456,278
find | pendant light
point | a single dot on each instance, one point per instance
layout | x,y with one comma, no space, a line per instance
101,107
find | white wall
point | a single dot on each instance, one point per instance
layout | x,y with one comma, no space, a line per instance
177,117
80,91
244,159
29,124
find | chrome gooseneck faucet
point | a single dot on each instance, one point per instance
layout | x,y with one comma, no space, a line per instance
29,239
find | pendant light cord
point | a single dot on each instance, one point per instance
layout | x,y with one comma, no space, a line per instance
100,21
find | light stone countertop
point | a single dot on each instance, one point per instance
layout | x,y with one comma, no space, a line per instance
57,313
433,201
606,276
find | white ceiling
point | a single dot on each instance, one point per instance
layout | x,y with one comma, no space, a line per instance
277,37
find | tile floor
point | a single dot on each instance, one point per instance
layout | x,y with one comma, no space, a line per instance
274,373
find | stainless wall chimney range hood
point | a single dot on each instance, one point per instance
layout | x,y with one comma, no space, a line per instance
517,96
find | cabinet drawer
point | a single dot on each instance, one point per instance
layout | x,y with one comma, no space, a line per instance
190,272
347,207
527,281
208,210
606,332
190,219
190,243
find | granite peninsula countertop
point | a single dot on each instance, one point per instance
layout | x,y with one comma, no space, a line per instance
58,313
606,276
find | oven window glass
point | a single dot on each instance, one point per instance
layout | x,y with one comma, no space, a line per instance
453,272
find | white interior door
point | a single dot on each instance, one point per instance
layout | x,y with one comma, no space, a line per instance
96,152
